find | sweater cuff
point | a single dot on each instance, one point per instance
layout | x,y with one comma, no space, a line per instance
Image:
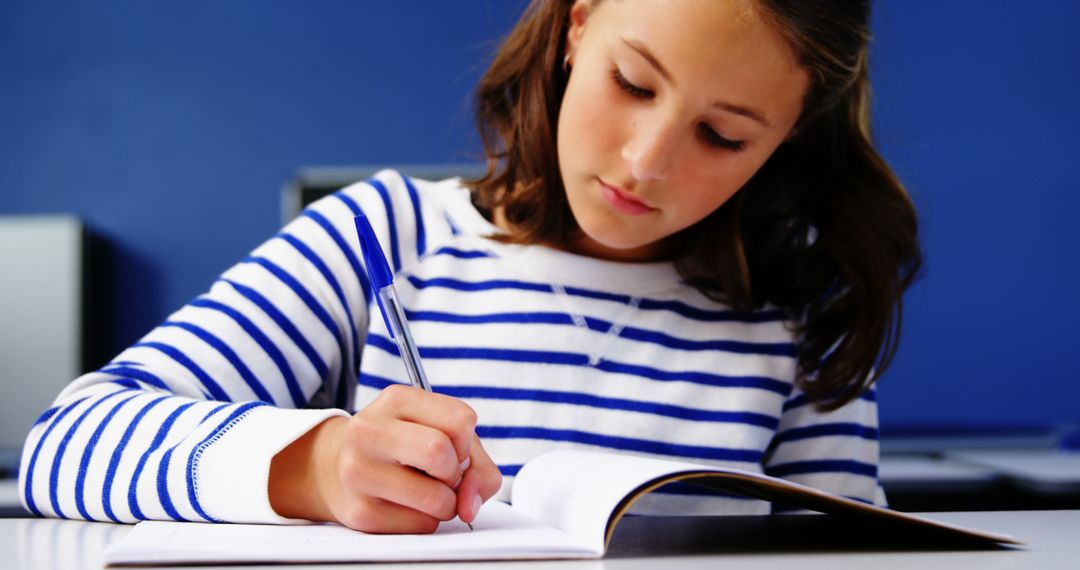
233,473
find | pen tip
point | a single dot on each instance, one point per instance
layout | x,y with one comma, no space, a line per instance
470,526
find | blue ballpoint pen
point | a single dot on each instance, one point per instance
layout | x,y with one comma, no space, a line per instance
382,281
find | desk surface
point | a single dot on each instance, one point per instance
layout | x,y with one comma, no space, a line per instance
758,542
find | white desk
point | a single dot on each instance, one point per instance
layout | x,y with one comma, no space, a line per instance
1052,538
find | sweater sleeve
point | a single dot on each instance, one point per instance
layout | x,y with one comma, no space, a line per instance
183,424
834,451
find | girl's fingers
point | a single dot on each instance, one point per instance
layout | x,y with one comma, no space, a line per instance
404,486
414,445
464,467
449,415
408,452
481,481
378,516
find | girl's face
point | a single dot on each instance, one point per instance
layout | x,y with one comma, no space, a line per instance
671,106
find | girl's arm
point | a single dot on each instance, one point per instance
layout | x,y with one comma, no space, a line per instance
835,451
184,424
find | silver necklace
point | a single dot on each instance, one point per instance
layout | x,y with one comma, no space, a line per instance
616,328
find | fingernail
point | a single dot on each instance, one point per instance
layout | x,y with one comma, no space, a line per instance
465,464
476,503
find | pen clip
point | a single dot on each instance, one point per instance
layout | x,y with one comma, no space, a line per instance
378,269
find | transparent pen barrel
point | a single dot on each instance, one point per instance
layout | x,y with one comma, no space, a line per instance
410,355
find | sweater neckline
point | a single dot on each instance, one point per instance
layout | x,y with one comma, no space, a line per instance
574,270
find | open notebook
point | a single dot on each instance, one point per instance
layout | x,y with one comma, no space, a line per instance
565,505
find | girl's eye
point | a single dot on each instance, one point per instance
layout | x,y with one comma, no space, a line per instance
712,138
630,88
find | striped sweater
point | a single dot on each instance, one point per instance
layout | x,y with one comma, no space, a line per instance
553,350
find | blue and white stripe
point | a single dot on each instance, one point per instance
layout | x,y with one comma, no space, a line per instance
179,424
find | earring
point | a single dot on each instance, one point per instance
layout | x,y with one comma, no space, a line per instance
566,63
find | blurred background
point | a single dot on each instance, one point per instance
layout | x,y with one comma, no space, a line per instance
166,133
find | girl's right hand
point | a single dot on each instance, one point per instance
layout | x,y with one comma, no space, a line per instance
393,467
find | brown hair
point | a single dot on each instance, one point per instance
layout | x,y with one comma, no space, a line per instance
824,229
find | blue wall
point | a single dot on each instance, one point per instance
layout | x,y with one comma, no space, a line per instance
977,111
171,128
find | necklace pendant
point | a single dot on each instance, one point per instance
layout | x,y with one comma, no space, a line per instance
614,328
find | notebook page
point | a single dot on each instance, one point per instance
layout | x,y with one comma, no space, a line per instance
500,533
578,490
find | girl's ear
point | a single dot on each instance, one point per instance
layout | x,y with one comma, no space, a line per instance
579,12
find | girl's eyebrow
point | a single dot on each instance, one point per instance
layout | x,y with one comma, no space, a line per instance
741,110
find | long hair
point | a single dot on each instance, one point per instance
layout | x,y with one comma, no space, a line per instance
824,229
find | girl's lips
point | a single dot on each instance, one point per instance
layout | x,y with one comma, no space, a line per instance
624,201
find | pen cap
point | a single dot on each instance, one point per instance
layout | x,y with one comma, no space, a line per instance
377,268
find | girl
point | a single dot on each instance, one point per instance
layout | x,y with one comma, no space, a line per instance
685,246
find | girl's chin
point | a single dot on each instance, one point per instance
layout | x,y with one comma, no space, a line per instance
616,248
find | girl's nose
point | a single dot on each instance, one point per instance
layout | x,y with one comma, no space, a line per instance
649,152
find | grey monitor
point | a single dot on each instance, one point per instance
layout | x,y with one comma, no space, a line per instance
41,312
